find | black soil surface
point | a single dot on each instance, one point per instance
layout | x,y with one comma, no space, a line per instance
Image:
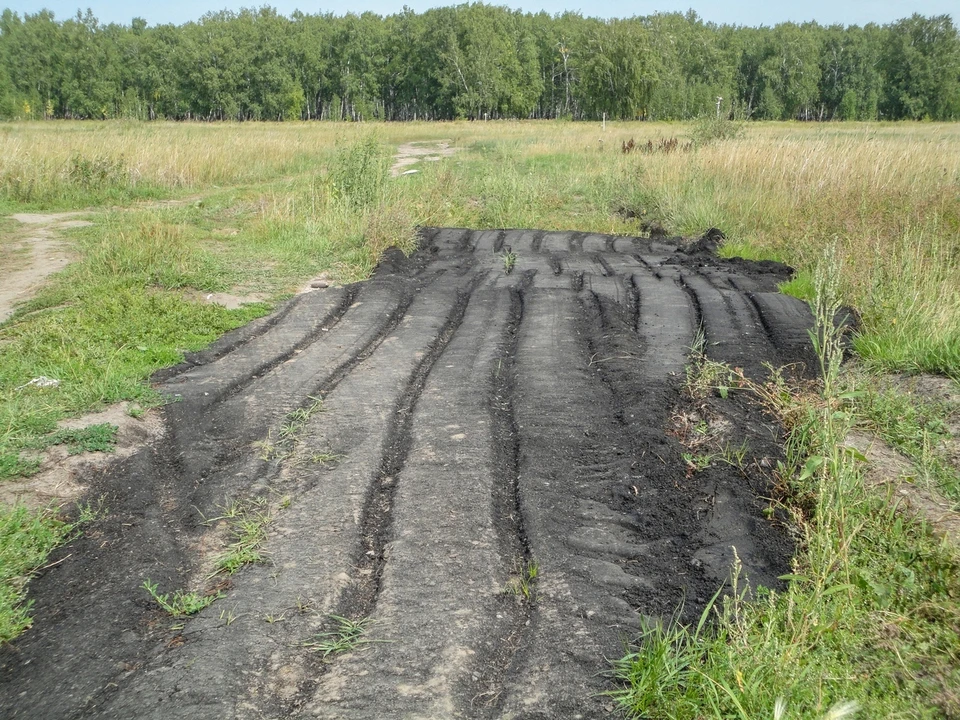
496,481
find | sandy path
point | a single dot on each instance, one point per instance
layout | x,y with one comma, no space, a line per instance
409,154
46,254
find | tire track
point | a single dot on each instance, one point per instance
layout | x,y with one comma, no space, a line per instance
377,516
475,425
322,572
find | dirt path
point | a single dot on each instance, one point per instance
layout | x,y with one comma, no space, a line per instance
508,494
45,254
409,154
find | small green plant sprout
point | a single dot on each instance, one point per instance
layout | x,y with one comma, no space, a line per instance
346,635
735,456
180,604
706,377
509,258
267,449
281,446
323,458
88,512
696,462
522,584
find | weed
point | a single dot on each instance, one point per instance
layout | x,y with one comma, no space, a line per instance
869,617
913,425
509,261
359,171
94,438
709,129
705,377
322,458
180,604
696,462
523,582
735,456
246,526
347,635
290,428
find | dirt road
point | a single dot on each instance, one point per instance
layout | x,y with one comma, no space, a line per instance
495,479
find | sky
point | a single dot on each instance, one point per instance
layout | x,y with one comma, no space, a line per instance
732,12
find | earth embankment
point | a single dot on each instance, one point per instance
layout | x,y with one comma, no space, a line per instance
483,466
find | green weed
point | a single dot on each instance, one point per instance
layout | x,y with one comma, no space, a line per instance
347,635
180,604
93,438
523,583
913,425
869,618
246,527
509,261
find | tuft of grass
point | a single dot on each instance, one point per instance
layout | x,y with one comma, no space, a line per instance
523,583
93,438
509,261
246,526
913,425
180,604
345,636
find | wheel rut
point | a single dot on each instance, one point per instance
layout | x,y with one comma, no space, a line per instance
482,467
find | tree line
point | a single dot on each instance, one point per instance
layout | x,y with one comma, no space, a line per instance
474,61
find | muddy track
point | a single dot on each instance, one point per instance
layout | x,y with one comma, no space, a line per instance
494,480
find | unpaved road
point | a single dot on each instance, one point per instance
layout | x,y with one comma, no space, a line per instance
482,423
46,255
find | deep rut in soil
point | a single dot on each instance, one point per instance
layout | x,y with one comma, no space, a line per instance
493,480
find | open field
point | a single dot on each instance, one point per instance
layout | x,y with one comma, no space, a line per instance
186,219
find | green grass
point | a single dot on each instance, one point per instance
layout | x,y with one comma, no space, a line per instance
345,636
246,527
914,426
871,612
26,539
93,438
180,604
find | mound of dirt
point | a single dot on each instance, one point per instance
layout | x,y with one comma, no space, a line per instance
500,481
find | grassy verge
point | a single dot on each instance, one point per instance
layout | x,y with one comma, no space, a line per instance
869,623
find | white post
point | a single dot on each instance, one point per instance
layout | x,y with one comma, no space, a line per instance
719,100
604,122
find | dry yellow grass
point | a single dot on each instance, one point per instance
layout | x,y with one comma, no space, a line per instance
887,195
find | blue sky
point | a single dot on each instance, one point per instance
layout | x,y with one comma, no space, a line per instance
749,12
